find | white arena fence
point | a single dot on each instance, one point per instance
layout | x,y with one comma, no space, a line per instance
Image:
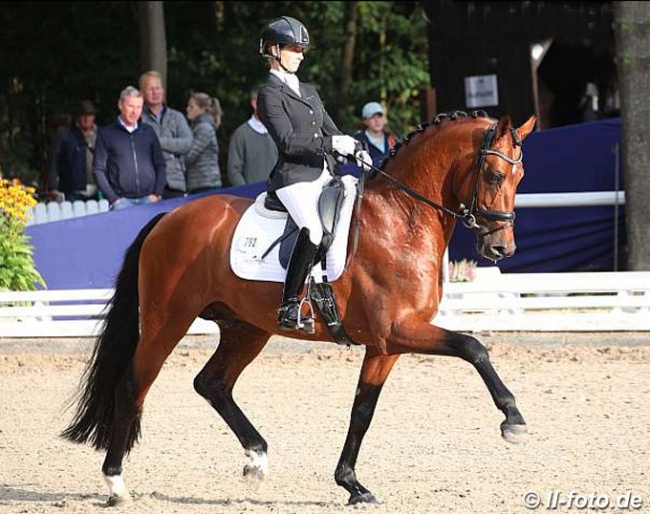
55,211
544,302
547,302
62,313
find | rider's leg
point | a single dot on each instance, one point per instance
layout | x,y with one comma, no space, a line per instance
301,201
300,265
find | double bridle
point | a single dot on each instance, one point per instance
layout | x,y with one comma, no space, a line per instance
468,215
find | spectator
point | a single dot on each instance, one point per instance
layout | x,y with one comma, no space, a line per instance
203,172
377,138
70,176
129,164
173,132
251,152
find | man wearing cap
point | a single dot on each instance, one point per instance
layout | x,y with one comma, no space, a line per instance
70,176
378,140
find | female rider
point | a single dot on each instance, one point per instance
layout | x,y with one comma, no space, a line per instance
306,138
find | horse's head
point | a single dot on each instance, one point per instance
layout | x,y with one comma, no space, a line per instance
466,160
488,190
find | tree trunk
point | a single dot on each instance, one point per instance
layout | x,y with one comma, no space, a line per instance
347,57
153,40
632,20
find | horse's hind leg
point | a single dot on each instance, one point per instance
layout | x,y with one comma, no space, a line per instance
154,346
239,345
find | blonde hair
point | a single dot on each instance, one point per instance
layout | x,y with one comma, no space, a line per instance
146,74
210,105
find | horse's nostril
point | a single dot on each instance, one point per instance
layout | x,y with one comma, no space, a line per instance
503,250
500,250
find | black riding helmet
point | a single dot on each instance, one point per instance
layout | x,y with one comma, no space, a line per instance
283,31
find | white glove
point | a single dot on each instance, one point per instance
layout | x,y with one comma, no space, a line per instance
364,161
344,145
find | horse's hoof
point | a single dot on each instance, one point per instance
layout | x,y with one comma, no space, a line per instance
515,434
254,477
115,500
363,498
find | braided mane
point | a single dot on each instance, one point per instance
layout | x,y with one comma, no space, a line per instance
436,120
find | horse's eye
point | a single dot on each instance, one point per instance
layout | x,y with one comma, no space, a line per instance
495,178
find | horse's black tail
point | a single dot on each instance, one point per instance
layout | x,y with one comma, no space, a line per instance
111,357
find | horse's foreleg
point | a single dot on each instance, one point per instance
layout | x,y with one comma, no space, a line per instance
238,347
513,428
373,375
432,340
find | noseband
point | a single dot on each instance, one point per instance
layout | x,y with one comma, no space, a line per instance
470,215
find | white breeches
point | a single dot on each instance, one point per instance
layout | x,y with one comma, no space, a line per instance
301,200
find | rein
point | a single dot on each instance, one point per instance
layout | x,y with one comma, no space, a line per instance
467,215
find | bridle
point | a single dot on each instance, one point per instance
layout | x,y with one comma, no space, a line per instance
469,215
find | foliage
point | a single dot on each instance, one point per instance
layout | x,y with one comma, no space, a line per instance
91,50
57,53
17,269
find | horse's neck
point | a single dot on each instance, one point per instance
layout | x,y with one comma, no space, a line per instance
431,194
388,210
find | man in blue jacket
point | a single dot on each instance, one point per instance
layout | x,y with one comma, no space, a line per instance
70,176
129,164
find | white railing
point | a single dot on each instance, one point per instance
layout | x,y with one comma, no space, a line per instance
63,313
548,302
579,199
594,301
583,199
55,211
544,302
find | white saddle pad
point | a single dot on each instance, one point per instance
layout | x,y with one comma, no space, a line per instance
258,228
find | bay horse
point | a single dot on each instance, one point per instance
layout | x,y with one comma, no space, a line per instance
458,166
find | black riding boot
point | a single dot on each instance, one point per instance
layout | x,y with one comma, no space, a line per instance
300,264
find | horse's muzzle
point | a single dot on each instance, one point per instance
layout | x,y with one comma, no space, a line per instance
495,248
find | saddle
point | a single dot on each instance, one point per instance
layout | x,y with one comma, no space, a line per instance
329,209
253,255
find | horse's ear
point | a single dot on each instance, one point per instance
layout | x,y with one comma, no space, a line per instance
503,126
527,127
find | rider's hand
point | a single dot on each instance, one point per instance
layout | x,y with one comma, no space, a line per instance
344,145
363,159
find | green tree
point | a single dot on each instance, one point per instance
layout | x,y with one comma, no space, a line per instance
60,52
53,54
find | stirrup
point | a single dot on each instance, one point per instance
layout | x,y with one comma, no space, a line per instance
306,324
287,322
